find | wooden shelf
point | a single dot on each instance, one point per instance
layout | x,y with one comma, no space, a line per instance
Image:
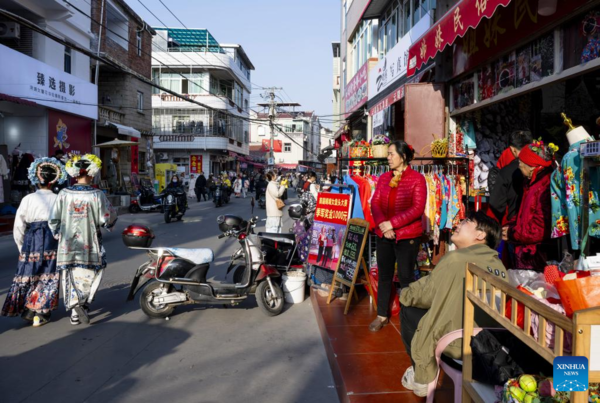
480,286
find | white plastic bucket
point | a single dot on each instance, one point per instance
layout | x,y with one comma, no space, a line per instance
294,283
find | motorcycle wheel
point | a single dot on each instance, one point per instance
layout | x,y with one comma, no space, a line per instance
167,216
271,305
134,209
154,311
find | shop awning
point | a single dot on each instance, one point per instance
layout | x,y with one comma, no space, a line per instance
455,23
117,144
286,166
256,164
16,100
374,9
125,130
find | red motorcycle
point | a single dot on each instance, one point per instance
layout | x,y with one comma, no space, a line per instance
177,276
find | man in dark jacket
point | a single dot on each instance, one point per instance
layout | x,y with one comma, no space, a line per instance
200,187
506,184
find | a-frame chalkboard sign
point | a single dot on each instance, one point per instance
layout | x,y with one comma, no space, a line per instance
351,257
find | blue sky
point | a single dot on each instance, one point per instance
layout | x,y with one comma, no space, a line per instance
289,42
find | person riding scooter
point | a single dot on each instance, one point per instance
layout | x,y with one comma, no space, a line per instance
178,186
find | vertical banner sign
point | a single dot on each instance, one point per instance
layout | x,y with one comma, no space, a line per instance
351,258
329,227
195,164
135,159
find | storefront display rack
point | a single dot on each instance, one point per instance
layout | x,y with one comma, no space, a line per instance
490,294
435,161
590,162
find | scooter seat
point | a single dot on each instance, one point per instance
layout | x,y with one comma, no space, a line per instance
196,256
277,237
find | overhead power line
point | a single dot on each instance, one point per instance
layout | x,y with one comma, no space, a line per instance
34,27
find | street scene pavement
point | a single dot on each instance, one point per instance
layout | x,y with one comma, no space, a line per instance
213,354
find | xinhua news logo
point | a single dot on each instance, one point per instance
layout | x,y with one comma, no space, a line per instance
571,374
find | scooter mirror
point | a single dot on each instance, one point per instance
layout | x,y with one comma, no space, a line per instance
160,252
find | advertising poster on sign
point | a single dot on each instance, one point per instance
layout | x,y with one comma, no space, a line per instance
195,164
328,230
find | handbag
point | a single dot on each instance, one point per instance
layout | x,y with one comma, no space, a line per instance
492,362
280,204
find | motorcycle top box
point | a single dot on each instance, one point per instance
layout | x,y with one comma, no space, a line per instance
137,236
231,222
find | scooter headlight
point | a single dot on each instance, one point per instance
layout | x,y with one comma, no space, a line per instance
170,198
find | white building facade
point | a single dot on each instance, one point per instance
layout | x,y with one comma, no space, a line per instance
47,99
195,138
300,140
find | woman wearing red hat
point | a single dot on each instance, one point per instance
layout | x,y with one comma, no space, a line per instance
533,224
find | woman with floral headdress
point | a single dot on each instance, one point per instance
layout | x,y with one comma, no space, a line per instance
34,291
75,220
533,225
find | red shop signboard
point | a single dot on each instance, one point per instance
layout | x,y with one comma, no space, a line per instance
195,164
70,133
277,145
506,27
135,159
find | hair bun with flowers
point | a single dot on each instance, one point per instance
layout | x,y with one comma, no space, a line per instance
544,151
88,164
46,171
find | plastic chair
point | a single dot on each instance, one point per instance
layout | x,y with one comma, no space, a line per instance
454,374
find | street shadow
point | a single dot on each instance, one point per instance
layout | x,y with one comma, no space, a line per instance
92,361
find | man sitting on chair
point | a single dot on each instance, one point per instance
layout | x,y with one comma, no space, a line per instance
433,306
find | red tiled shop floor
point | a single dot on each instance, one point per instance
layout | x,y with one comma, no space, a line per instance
367,366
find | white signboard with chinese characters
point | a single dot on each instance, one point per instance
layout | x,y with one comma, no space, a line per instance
24,77
394,64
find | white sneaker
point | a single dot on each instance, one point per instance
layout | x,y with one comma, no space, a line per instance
408,381
74,318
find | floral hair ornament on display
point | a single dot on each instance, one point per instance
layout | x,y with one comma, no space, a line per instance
86,165
46,171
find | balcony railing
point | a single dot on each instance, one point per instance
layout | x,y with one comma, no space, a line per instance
112,115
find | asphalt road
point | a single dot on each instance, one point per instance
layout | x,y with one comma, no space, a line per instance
212,354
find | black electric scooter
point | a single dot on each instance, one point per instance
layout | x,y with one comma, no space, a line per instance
178,276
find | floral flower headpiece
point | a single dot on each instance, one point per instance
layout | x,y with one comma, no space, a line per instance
545,151
88,164
34,171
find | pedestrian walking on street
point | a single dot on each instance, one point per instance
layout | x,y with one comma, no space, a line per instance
192,186
245,186
274,214
237,186
35,288
210,183
75,220
200,187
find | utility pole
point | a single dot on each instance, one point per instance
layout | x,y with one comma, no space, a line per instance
272,115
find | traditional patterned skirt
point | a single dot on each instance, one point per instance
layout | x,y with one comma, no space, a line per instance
80,285
36,283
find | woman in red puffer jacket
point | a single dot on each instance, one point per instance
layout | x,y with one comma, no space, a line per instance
397,207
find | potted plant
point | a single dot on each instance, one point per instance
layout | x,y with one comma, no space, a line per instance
379,145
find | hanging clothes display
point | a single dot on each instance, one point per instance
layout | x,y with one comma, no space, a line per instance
445,207
567,199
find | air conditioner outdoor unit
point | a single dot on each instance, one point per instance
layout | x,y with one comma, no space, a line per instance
10,30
